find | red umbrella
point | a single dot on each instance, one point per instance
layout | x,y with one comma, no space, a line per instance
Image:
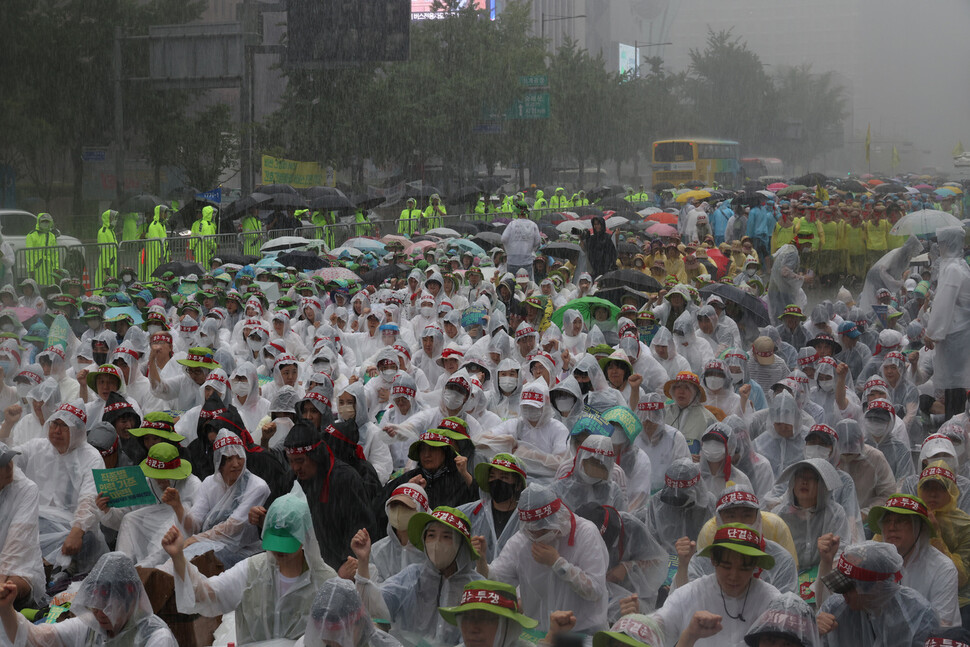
664,217
777,186
719,259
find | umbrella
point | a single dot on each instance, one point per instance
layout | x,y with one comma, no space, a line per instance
466,193
283,243
811,179
417,249
874,182
421,191
337,274
465,245
23,314
605,190
491,238
631,278
792,188
776,186
924,222
443,232
404,240
131,311
664,217
890,187
549,232
587,211
766,193
274,189
350,252
367,203
366,245
142,203
570,226
288,200
660,229
923,187
585,306
615,203
750,303
628,248
242,205
270,264
237,259
694,184
179,268
331,202
855,186
945,191
384,272
317,191
697,195
302,260
662,186
615,221
617,293
570,251
464,228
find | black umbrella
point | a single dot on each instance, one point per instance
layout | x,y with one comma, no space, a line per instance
616,293
179,268
287,200
302,260
615,203
890,187
242,205
569,251
492,183
421,239
631,278
464,228
331,202
588,211
317,191
487,238
551,232
384,272
750,303
466,194
811,179
142,203
363,202
273,189
238,259
422,191
628,248
663,186
694,184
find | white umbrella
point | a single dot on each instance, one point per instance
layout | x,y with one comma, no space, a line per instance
766,193
284,242
569,226
649,210
443,232
616,221
923,222
353,251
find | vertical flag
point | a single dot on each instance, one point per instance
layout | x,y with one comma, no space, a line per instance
868,140
958,149
895,157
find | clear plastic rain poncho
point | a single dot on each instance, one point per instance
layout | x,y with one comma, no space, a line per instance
19,543
886,272
256,407
389,556
589,480
682,507
219,519
808,523
778,450
893,614
696,350
785,284
668,356
949,319
284,401
113,588
251,588
574,342
48,394
755,466
338,619
540,440
871,474
661,442
788,617
953,524
879,424
939,448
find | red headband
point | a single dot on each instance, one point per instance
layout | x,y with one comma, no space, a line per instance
225,441
305,449
937,471
319,397
162,465
674,483
76,411
452,520
491,598
738,497
410,492
501,462
907,503
540,513
731,535
864,574
650,406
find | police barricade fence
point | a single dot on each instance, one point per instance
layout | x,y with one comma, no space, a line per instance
92,263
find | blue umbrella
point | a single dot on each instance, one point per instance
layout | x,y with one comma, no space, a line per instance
270,264
131,311
367,245
466,245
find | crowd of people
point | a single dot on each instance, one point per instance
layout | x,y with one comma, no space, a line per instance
483,451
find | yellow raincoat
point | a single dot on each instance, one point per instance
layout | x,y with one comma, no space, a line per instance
953,538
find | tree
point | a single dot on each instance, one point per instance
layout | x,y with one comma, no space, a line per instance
811,108
208,144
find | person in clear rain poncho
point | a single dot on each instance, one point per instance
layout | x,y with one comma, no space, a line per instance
573,332
687,412
682,507
271,592
871,475
886,272
110,609
787,622
736,362
589,478
20,559
250,404
938,489
392,554
718,609
634,462
409,600
785,284
494,516
489,615
717,460
558,561
939,448
878,423
783,443
755,466
338,619
404,403
665,352
870,607
830,392
567,401
718,389
538,439
638,564
660,442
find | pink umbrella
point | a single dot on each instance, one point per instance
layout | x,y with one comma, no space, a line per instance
923,187
660,229
336,274
418,248
777,186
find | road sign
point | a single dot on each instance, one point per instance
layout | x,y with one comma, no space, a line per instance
534,105
535,81
93,154
487,129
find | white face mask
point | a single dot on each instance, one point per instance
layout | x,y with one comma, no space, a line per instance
452,400
564,404
817,451
254,344
388,374
738,377
268,362
241,388
323,367
548,537
750,271
440,553
508,383
714,383
530,413
712,451
283,426
877,429
827,386
154,330
347,411
23,390
427,312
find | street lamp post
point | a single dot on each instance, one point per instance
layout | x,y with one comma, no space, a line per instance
544,20
636,50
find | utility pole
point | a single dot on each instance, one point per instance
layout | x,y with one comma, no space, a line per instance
119,126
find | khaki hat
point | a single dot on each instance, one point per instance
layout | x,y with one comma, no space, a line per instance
764,351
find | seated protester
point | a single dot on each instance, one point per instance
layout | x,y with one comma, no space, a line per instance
404,404
410,598
592,378
352,406
286,372
334,492
394,553
902,392
140,528
682,507
716,463
830,392
661,443
755,466
219,517
342,439
23,428
878,423
871,475
619,374
53,361
692,615
557,560
316,406
453,400
870,607
489,614
632,460
39,402
765,366
104,381
738,504
638,564
493,517
508,386
664,350
784,442
104,438
958,436
158,427
251,405
567,401
274,429
642,360
788,621
535,437
61,465
121,415
939,448
378,389
904,522
877,389
589,477
20,559
718,390
938,489
180,388
216,383
440,470
809,509
111,609
337,618
270,592
736,362
687,413
760,422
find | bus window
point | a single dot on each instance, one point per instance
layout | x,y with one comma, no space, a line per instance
673,152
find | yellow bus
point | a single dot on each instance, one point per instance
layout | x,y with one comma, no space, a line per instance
704,160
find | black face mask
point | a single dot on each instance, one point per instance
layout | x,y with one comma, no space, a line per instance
672,497
586,387
100,358
501,491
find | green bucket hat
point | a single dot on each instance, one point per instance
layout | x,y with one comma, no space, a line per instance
741,539
200,357
163,462
627,420
635,630
900,504
158,423
104,369
432,438
487,595
504,462
451,517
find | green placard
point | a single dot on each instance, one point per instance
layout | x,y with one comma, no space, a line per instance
534,81
534,105
124,486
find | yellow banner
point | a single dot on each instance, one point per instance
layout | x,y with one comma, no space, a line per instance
299,175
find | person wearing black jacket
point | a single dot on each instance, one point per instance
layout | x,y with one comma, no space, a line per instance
600,250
